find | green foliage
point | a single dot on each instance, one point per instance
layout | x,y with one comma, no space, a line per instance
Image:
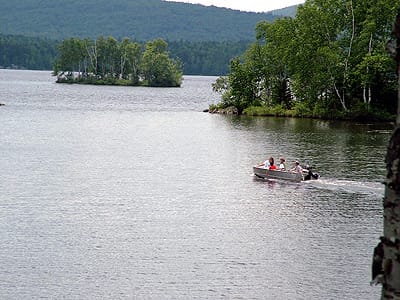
27,53
301,109
141,20
208,57
277,111
204,39
242,87
197,58
221,85
107,61
157,68
323,63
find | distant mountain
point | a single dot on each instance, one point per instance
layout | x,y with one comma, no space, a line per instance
289,11
137,19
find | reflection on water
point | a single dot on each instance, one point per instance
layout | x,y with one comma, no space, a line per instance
115,192
335,149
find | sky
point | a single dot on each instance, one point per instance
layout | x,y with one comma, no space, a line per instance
246,5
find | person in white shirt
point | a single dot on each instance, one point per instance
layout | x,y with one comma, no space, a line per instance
282,166
297,168
266,164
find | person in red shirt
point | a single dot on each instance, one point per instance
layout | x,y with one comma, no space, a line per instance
272,164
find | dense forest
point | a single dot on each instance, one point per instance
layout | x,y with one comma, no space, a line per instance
330,61
141,20
197,58
27,52
206,58
203,38
106,61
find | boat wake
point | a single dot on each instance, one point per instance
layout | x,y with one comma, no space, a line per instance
348,186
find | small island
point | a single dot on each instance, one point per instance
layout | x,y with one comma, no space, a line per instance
106,61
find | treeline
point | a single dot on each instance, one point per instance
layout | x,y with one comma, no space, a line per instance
21,52
107,61
197,58
330,61
206,58
142,20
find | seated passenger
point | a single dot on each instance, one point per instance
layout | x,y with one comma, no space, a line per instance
296,168
264,164
272,164
282,166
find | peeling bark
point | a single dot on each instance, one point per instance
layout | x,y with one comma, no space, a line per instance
391,202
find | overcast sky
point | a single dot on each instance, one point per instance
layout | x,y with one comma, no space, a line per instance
246,5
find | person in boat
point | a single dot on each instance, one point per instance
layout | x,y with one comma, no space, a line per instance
282,166
309,174
265,164
268,164
272,164
297,168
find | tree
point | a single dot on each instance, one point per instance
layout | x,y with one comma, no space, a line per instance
391,204
272,60
107,61
157,68
71,55
133,52
329,60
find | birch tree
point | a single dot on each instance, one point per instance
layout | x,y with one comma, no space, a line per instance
373,18
391,204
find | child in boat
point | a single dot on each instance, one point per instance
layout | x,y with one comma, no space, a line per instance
282,166
272,163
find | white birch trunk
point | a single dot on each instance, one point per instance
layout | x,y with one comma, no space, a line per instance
368,100
346,63
391,203
364,94
93,56
369,94
341,97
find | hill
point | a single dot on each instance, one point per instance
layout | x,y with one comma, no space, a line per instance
289,11
203,38
198,58
137,19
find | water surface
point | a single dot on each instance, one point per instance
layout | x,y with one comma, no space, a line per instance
131,192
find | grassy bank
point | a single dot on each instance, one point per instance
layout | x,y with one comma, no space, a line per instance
361,113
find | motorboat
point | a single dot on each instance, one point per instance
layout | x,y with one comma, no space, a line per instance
262,172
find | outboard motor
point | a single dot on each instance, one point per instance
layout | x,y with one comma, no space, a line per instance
310,175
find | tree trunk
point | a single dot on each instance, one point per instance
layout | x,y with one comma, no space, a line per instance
391,203
342,95
367,86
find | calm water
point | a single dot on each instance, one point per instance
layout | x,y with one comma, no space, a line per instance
134,193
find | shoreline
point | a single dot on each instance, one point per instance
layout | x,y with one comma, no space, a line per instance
349,118
110,82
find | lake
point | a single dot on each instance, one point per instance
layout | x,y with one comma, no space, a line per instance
135,193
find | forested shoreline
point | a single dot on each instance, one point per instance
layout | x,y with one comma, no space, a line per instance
105,61
208,58
143,20
21,52
330,61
